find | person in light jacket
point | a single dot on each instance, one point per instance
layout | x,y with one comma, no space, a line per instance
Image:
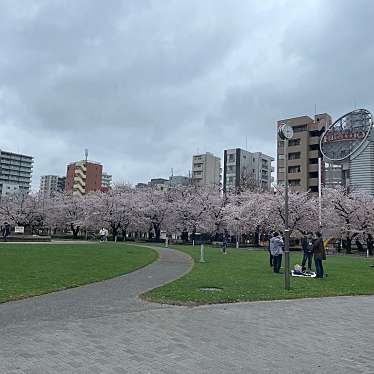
276,249
319,254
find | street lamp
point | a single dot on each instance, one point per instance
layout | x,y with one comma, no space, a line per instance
285,132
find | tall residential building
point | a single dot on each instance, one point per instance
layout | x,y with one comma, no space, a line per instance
206,170
83,177
106,181
243,169
15,172
50,184
303,152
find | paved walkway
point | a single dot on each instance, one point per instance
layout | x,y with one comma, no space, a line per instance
104,328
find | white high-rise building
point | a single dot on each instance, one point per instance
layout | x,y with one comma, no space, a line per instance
206,170
15,173
106,180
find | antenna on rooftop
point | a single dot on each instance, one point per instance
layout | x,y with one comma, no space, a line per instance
246,143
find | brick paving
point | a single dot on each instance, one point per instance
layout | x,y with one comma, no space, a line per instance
104,328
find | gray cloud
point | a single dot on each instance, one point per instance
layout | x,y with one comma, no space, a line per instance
145,84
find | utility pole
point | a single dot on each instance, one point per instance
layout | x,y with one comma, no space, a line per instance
286,133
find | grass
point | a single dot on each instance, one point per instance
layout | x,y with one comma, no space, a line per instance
34,269
246,276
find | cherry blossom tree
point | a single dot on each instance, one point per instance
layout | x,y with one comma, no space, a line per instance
21,209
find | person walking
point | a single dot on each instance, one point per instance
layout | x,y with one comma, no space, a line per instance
319,254
307,245
370,244
276,249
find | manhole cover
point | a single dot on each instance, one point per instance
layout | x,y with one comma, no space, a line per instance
211,289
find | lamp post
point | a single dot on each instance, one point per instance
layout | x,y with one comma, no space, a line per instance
286,133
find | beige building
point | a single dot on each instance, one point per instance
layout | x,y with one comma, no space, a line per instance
303,152
206,170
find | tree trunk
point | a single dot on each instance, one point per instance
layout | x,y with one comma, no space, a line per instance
75,231
157,229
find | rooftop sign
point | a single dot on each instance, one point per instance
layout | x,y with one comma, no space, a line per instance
346,135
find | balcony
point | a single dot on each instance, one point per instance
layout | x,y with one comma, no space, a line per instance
313,167
314,154
313,182
314,140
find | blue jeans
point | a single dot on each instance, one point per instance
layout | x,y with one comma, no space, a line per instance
307,256
277,262
319,267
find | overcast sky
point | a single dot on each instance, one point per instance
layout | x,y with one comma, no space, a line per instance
145,84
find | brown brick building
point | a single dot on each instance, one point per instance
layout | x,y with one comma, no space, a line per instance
83,177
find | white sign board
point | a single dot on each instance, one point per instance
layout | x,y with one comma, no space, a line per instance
19,230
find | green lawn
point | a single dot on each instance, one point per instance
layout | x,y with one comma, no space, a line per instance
34,269
246,276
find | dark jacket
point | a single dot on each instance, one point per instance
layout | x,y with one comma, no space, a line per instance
306,247
319,249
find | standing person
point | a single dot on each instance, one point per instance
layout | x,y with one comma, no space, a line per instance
106,235
276,249
270,255
102,234
225,242
319,254
308,251
6,231
370,244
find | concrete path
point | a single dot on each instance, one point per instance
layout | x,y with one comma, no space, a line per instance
104,328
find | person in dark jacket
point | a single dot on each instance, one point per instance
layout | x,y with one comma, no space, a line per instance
6,231
370,244
270,255
307,245
319,254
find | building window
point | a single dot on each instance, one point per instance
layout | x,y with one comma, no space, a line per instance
294,182
231,157
293,142
294,169
280,157
231,179
300,128
314,147
280,170
230,169
313,161
294,156
313,174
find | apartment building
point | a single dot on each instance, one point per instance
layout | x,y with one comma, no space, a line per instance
246,170
83,177
15,172
303,152
106,181
50,184
206,170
